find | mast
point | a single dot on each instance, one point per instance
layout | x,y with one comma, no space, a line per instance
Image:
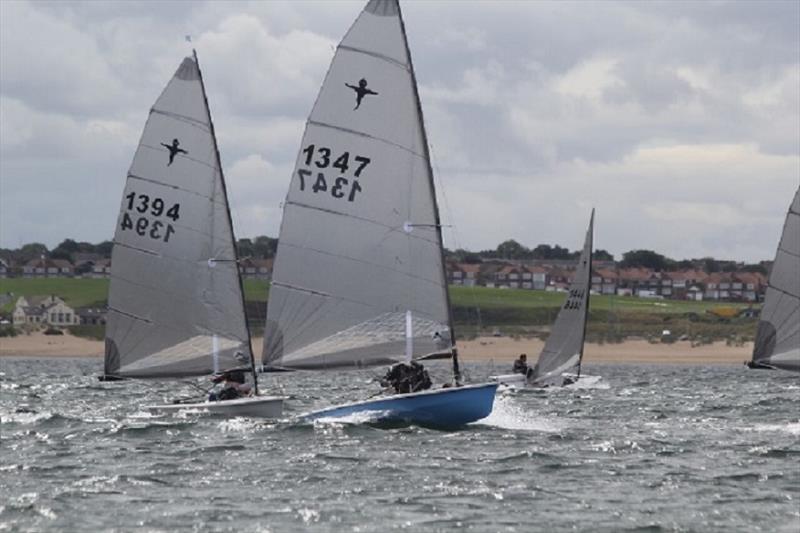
588,290
230,223
437,220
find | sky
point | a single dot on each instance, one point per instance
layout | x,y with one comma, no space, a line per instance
678,121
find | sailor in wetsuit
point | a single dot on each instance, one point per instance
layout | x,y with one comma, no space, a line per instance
233,386
521,365
405,378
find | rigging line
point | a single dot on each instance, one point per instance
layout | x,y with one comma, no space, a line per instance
364,134
169,186
184,156
376,55
182,118
367,263
129,315
392,229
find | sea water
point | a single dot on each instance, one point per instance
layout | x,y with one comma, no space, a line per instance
644,448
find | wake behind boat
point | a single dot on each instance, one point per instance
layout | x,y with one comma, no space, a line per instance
175,305
559,363
359,277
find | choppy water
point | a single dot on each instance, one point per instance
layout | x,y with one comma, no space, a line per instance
649,448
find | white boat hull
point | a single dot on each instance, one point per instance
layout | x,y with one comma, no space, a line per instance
518,381
253,407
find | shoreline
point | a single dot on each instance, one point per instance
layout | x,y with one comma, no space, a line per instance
496,349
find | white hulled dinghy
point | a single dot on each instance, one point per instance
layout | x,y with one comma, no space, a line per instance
559,363
359,275
175,305
777,343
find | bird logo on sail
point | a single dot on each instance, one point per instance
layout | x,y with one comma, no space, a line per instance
174,149
361,91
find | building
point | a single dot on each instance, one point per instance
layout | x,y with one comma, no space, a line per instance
49,310
101,268
5,268
47,268
92,316
256,268
466,274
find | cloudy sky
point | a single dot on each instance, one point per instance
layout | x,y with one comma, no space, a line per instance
678,121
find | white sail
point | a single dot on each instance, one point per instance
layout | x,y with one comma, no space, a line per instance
175,301
778,337
563,350
360,242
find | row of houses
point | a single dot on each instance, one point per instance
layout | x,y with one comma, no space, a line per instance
100,267
53,311
608,279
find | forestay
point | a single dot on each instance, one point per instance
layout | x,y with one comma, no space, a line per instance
563,350
778,337
360,244
175,301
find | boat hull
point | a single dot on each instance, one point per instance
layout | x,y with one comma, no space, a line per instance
444,408
253,407
519,381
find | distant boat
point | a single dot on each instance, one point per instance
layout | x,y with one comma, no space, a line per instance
560,361
359,275
175,305
777,343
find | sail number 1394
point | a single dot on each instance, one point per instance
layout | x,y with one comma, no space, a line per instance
320,158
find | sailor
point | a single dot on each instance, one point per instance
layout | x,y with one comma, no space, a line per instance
233,386
521,365
407,377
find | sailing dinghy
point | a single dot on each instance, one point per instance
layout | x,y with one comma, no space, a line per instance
175,305
359,275
560,361
777,343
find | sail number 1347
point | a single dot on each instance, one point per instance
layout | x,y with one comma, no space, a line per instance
320,158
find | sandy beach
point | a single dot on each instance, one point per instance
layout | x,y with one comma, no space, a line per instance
498,349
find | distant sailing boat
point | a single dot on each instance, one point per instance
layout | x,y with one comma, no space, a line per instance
175,305
560,361
778,338
359,275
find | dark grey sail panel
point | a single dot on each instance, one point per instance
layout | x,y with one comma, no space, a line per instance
778,336
563,350
175,302
359,246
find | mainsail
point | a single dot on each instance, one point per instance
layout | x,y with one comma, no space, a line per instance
360,241
175,301
778,338
563,350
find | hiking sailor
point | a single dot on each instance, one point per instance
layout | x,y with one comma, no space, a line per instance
521,365
407,377
233,386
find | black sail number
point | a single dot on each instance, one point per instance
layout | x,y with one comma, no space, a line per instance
341,183
574,299
142,216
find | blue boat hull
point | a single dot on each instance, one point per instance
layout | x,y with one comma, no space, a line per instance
451,407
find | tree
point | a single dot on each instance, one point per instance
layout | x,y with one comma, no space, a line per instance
644,259
265,247
602,255
244,248
34,250
511,249
104,248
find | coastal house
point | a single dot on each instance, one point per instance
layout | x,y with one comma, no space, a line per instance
50,310
47,268
463,274
513,277
5,268
101,268
92,316
256,268
604,281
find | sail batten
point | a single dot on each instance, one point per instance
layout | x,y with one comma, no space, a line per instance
563,350
360,178
777,342
169,299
